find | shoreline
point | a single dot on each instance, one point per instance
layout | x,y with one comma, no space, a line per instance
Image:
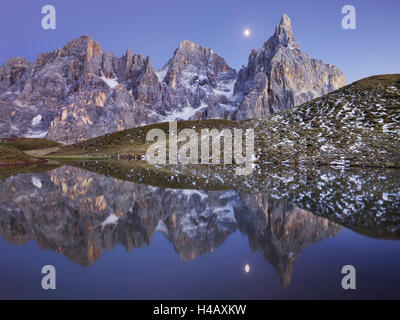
3,164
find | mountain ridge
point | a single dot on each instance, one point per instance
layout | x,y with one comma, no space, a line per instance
78,91
279,76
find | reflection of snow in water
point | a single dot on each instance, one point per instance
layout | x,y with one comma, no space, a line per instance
111,219
36,182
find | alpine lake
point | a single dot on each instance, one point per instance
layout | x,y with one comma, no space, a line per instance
126,230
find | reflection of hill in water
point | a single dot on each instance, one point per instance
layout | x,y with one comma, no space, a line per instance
79,214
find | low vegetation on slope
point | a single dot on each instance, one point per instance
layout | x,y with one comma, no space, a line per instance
10,155
26,144
25,150
132,141
355,125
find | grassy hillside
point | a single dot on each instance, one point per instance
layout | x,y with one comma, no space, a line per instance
131,141
25,144
25,150
356,125
10,155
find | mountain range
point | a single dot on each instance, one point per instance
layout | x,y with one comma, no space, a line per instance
79,92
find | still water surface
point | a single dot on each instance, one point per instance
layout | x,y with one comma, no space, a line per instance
117,239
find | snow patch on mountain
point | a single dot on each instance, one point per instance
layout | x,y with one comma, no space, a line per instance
36,120
185,113
161,74
35,134
112,83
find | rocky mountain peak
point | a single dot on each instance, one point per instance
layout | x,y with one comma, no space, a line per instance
196,82
187,45
284,34
12,71
83,45
285,21
190,46
191,53
278,77
194,60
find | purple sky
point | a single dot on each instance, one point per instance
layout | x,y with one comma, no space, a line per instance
155,28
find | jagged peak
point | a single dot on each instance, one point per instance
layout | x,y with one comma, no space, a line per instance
188,45
284,34
84,44
137,60
16,61
139,57
189,50
285,21
184,44
128,53
149,65
84,39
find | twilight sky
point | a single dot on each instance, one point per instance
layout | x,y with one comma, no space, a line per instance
155,28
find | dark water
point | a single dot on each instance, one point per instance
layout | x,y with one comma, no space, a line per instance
112,238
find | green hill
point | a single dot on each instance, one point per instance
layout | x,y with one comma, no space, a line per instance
132,141
10,155
26,144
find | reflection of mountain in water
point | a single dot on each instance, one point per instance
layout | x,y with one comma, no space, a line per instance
280,231
79,214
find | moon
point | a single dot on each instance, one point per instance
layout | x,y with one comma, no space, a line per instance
246,32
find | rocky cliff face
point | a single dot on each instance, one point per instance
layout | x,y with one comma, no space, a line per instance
197,83
79,92
279,76
76,92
